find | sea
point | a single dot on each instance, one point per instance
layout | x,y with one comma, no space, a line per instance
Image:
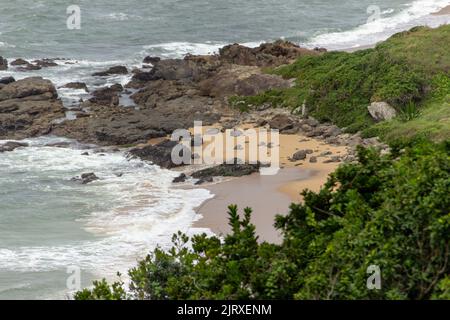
57,235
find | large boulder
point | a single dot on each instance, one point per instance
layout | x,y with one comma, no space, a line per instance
191,68
76,86
3,63
381,111
31,88
159,154
28,108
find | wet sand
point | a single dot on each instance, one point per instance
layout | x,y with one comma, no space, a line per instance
257,192
269,195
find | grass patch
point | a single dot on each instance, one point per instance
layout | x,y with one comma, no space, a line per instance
409,71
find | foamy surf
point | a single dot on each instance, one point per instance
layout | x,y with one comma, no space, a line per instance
131,210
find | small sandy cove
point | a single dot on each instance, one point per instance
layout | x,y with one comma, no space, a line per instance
270,195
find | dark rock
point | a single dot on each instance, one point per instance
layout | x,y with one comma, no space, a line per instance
58,144
313,159
299,155
281,122
28,108
85,154
11,146
107,95
311,122
204,180
45,63
111,71
267,54
331,131
7,80
325,153
3,63
151,60
19,62
27,87
242,81
181,178
76,85
227,170
159,154
86,178
333,159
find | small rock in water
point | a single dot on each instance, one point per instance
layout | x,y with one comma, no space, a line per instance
181,178
7,80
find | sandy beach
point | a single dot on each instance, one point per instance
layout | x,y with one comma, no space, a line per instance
270,195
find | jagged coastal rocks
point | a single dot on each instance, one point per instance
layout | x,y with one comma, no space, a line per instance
28,108
169,94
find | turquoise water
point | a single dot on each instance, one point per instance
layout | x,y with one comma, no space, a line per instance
49,223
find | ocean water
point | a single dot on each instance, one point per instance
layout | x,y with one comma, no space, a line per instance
49,223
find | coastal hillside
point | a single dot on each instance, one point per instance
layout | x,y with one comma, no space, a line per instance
410,71
386,212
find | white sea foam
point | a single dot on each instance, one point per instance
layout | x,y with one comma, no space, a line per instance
142,208
417,13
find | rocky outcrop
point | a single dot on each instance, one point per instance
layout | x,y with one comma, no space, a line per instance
381,111
111,71
159,154
226,170
86,178
6,80
151,60
76,85
107,96
24,65
28,108
241,81
45,63
3,63
11,146
267,54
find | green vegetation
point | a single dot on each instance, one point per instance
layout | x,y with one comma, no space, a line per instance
391,211
410,69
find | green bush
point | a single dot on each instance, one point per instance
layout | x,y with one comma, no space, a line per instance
338,86
391,211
